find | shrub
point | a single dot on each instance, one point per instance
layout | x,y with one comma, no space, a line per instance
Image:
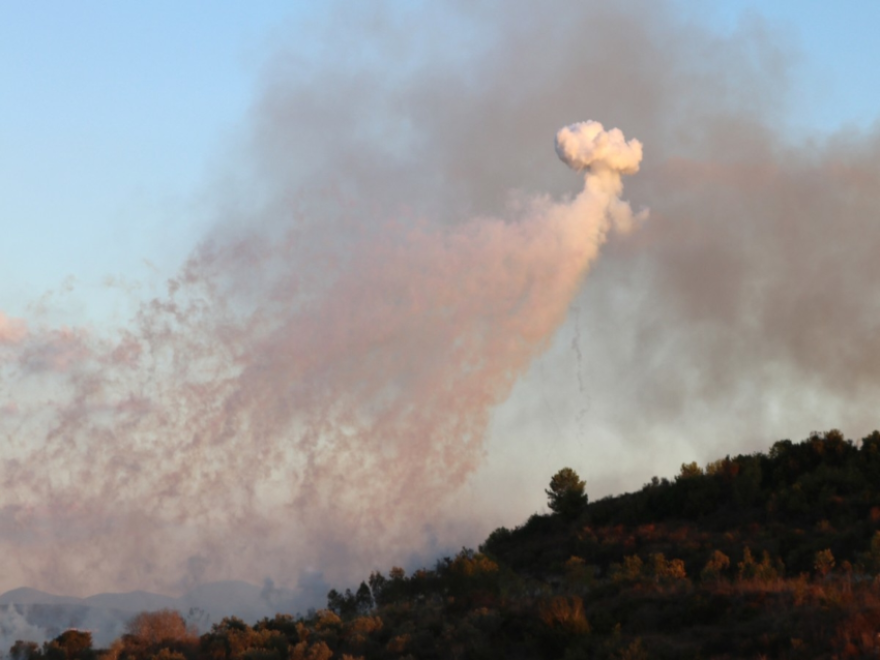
715,567
630,569
824,562
565,613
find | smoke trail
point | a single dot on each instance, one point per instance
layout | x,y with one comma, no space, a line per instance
323,387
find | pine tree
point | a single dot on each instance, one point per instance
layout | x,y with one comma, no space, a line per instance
566,494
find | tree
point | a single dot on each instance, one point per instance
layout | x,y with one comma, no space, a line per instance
715,567
72,644
689,471
363,599
25,651
566,494
161,626
824,562
335,601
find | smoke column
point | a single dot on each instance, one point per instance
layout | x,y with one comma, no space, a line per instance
313,392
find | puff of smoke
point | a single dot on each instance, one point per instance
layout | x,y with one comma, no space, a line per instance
587,145
605,155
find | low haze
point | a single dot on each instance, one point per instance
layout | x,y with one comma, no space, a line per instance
362,312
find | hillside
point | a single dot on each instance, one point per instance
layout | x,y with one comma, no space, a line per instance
764,555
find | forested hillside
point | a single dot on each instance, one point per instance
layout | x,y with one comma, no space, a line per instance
772,555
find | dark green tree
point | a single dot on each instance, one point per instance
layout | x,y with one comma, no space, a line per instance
70,645
25,651
566,495
364,599
335,602
377,587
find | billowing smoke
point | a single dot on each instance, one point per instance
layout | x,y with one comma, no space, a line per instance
391,253
326,386
587,146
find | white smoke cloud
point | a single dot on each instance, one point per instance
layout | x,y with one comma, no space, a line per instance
587,145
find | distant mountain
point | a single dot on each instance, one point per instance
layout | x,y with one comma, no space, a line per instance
133,601
245,600
225,589
214,595
28,596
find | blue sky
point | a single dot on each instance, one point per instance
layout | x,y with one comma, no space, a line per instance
116,115
835,44
112,117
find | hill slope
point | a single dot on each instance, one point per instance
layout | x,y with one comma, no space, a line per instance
765,555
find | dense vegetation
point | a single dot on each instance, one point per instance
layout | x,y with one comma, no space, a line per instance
771,555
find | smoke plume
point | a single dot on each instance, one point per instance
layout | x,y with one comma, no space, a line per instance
350,346
325,386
